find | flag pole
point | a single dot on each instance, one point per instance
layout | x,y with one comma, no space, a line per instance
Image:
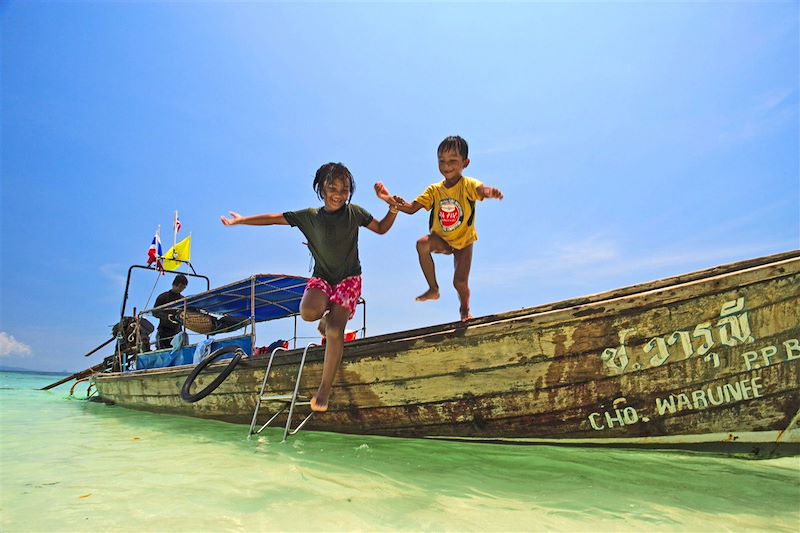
174,231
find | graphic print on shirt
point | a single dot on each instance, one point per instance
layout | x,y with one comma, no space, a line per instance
451,214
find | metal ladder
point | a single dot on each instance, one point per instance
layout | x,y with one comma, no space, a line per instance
288,400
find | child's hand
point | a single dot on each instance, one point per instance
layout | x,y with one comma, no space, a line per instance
383,193
235,219
400,202
492,192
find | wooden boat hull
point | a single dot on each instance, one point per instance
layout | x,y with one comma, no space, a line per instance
706,361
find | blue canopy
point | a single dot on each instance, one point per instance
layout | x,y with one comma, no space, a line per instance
276,296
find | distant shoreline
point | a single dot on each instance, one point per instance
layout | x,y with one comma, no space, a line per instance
26,371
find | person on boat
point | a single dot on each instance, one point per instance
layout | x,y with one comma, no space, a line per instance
168,325
452,220
331,295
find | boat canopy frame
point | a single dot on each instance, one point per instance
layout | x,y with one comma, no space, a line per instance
258,298
261,297
192,274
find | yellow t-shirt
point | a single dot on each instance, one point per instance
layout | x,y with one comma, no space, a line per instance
452,211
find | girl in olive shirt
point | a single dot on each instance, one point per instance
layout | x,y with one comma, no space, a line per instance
332,293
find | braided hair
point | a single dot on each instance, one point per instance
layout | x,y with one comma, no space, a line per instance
330,172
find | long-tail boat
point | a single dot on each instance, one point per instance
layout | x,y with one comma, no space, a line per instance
707,361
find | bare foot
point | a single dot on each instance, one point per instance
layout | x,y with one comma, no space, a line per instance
317,405
465,315
430,294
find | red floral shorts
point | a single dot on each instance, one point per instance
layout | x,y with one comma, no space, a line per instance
346,293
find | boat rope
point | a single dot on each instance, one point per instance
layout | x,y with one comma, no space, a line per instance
784,431
72,389
158,276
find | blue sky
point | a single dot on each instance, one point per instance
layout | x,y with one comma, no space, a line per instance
632,142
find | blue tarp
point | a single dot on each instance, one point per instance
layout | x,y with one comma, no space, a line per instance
276,296
183,356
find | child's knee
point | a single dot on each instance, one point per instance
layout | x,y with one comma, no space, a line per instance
310,313
461,284
424,244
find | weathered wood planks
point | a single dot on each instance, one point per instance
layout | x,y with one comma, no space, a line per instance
714,353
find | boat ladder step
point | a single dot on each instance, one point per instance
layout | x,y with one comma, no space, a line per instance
286,401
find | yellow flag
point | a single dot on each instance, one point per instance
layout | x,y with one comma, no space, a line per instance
180,252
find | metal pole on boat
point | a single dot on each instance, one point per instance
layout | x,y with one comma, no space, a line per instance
118,354
101,346
253,313
174,233
183,322
78,375
364,318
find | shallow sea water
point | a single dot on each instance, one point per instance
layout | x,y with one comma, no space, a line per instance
67,464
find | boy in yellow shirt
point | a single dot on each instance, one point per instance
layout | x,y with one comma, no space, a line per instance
452,220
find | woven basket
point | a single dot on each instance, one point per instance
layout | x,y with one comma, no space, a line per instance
198,322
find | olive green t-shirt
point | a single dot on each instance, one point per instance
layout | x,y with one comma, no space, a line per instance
332,239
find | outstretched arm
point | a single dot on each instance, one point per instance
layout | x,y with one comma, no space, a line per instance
489,192
255,220
383,193
382,226
407,208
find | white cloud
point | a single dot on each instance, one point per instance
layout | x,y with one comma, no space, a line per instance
590,260
774,109
113,272
585,255
772,100
11,346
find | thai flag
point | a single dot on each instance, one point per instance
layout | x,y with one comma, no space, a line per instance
154,253
177,223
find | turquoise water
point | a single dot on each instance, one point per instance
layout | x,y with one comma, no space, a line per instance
72,465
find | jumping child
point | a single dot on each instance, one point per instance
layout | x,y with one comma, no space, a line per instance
452,220
332,293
